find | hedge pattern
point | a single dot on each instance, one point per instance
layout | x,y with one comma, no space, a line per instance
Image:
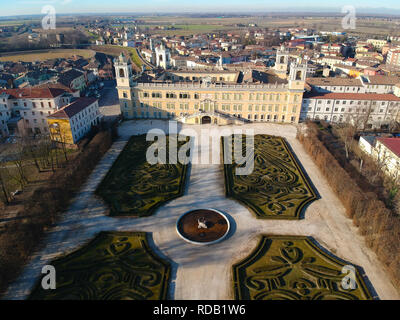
113,266
277,188
135,187
294,268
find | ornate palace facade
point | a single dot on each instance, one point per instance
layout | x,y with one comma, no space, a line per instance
219,96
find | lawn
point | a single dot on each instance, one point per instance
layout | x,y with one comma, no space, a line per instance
42,55
133,187
117,50
113,266
294,268
277,188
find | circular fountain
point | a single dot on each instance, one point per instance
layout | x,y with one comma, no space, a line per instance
203,226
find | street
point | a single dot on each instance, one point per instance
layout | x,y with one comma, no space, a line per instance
108,102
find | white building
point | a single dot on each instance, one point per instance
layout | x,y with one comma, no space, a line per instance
386,151
82,114
374,110
31,106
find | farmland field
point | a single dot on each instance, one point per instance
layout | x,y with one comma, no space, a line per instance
42,55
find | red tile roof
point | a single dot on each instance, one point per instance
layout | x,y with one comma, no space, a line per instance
55,86
392,144
33,93
72,109
351,96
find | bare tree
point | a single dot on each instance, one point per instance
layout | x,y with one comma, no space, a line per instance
4,181
346,134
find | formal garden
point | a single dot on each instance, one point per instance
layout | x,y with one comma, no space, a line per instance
277,188
113,266
134,187
123,266
294,268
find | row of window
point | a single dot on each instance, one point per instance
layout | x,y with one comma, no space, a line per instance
34,104
261,117
351,102
268,117
339,118
224,107
218,96
350,110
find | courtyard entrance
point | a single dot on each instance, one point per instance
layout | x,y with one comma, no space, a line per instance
206,120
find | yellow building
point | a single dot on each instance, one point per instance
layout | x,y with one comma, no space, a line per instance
74,121
217,96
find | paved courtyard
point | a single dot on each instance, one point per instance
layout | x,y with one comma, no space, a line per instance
205,272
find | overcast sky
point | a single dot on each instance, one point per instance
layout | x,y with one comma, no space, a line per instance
30,7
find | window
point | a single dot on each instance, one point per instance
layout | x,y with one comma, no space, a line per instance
184,96
156,95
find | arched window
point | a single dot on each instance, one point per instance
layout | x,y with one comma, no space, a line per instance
282,59
298,75
121,73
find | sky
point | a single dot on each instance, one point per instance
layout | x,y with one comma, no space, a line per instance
31,7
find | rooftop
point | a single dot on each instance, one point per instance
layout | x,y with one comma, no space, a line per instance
33,93
393,144
72,109
351,96
334,82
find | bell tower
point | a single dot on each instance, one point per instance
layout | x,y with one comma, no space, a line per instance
124,77
297,75
282,61
163,57
123,70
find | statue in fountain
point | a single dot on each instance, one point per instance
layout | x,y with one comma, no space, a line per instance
202,223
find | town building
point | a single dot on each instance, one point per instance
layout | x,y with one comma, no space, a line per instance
24,111
74,121
385,151
365,110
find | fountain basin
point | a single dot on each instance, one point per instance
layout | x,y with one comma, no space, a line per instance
217,226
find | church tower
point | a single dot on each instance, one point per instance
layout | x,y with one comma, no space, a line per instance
163,57
297,75
124,77
281,63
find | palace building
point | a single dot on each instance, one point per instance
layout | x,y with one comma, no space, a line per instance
217,96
